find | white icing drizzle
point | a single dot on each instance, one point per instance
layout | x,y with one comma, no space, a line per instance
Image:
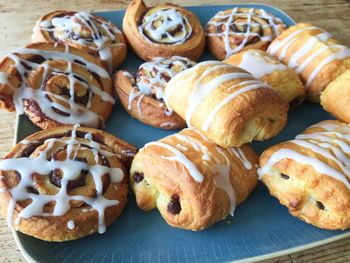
228,99
168,124
258,64
240,154
77,113
325,144
71,225
181,158
170,20
295,61
71,169
72,28
153,76
226,21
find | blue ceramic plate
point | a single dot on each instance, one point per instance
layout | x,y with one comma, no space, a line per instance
260,229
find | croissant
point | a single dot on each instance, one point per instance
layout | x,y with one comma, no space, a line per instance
193,182
336,97
226,103
310,175
237,29
65,183
55,85
83,30
313,54
268,69
142,95
162,31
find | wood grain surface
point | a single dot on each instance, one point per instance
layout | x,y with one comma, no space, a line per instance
17,19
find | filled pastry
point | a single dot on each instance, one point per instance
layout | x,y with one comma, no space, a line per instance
269,70
336,97
56,84
310,174
313,54
226,103
193,182
65,183
83,30
233,30
142,96
162,31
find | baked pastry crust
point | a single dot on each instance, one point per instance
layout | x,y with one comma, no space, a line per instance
55,85
83,30
268,69
193,182
142,95
183,36
336,97
65,183
310,175
226,103
237,29
313,54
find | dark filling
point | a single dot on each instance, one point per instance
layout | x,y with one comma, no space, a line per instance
284,176
32,190
138,177
295,102
174,206
79,62
320,205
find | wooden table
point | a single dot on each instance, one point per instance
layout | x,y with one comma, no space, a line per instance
18,17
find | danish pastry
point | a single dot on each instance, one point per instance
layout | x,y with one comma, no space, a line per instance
162,31
56,84
143,96
65,183
233,30
193,182
269,70
226,103
313,54
83,30
310,175
336,97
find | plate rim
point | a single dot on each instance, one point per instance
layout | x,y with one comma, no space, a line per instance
267,256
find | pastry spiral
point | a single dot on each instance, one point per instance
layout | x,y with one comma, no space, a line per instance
311,174
233,30
65,183
163,31
313,54
226,103
269,70
336,97
143,96
83,30
193,182
56,84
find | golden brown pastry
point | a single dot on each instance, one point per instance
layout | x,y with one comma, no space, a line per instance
336,97
56,84
233,30
226,103
313,54
65,183
193,182
269,70
310,174
143,96
83,30
162,31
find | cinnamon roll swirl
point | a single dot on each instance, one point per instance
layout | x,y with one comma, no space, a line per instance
233,30
163,31
143,96
56,84
83,30
65,183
